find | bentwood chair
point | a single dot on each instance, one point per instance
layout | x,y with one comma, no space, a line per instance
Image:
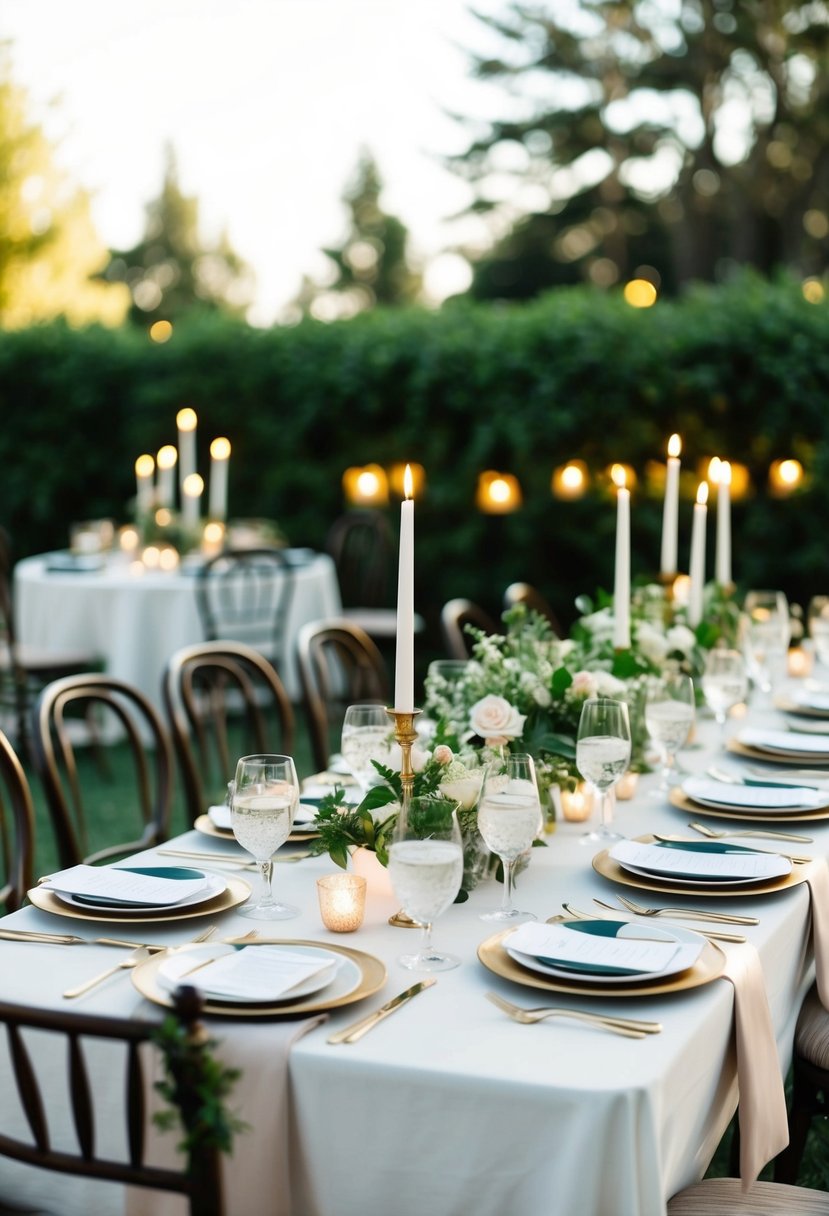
339,665
17,829
141,803
24,670
810,1082
222,700
30,1033
725,1197
534,601
244,595
455,615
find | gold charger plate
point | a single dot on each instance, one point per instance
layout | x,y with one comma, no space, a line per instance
236,892
207,827
683,803
801,759
604,864
794,707
373,973
709,966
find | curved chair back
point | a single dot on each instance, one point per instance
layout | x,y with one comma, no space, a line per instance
455,615
69,774
339,665
531,597
362,546
244,595
223,700
17,828
82,1039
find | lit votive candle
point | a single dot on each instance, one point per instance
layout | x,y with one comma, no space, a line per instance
626,786
577,804
799,662
342,901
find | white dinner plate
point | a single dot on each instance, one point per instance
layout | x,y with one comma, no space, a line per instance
215,886
341,976
722,796
304,817
662,861
784,742
691,945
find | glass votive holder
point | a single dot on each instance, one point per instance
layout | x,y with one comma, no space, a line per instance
626,786
342,901
576,805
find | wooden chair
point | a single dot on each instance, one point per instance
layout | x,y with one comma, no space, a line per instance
65,771
725,1197
198,1178
531,597
17,829
244,595
222,700
810,1083
454,617
339,665
24,670
363,548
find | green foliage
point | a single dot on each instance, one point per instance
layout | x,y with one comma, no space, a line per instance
741,371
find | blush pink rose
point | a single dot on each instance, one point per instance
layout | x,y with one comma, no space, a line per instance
495,720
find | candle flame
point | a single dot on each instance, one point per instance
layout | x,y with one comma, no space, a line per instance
619,476
715,470
725,473
674,445
193,485
186,419
144,466
220,449
408,482
702,493
167,456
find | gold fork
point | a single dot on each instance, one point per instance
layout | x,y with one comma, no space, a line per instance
704,830
139,955
715,935
726,918
631,1028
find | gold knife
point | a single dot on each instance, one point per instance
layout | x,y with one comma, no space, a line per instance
356,1031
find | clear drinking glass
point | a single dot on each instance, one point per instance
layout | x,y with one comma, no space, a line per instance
366,736
426,870
818,620
669,716
602,756
262,808
724,683
766,634
509,819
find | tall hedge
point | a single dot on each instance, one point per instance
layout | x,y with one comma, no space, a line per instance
741,371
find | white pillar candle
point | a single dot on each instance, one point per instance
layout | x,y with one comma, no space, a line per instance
670,513
723,557
621,579
219,461
191,492
697,567
186,423
144,469
166,462
404,658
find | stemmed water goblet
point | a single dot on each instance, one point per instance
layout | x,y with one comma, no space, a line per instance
766,633
509,819
426,871
818,621
669,716
724,683
263,803
602,756
365,737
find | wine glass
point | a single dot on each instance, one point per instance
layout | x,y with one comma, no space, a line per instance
426,871
818,619
602,756
724,683
766,633
669,716
365,737
262,807
509,819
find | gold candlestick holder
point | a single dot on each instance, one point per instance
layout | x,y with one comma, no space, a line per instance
405,736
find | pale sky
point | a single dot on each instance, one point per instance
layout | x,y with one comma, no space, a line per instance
267,103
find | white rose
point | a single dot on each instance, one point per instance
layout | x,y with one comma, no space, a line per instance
600,623
493,718
608,686
584,684
680,637
651,642
464,790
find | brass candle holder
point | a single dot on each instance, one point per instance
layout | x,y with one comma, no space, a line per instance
405,736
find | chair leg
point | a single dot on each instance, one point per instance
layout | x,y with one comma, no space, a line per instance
805,1103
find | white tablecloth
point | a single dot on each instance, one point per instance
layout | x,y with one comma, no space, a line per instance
449,1107
135,619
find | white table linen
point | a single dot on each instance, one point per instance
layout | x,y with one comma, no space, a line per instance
135,618
448,1106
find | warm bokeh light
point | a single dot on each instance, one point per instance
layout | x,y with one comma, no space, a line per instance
151,557
128,539
214,532
193,485
640,293
168,558
710,469
497,493
167,457
161,331
702,493
220,449
719,471
186,419
813,291
366,486
674,445
785,476
570,480
144,466
164,517
397,474
622,475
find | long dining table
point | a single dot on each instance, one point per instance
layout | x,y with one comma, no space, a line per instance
448,1106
